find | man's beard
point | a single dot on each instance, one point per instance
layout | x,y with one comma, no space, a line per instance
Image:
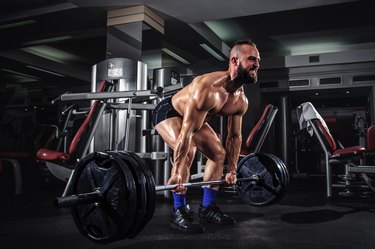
244,76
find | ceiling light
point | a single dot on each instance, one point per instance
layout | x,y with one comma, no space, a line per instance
315,48
211,51
51,53
18,73
45,71
175,56
17,24
48,40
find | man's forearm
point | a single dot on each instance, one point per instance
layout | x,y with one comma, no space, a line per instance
233,148
180,155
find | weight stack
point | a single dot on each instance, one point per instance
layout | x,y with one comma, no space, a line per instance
111,133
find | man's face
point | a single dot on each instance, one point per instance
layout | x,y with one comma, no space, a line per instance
245,76
247,70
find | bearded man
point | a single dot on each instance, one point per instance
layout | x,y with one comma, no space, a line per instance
182,123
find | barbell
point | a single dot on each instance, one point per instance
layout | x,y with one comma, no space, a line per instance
113,194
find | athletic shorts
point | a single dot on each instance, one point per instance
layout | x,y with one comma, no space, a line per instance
163,111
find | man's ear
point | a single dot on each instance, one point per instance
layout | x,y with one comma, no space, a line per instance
234,60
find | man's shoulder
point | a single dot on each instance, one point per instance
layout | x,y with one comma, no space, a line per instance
214,74
208,79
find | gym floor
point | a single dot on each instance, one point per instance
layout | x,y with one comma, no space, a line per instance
304,219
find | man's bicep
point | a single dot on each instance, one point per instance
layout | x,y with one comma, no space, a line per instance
235,121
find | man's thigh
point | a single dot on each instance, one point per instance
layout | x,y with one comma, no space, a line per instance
169,130
208,142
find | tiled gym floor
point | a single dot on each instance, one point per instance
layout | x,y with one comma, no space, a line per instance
304,219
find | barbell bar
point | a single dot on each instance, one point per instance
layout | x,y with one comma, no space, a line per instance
254,178
96,195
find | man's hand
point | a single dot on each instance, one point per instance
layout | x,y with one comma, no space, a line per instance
176,179
230,178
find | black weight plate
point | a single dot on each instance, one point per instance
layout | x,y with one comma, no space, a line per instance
103,222
140,182
144,200
128,171
282,168
280,173
150,182
149,190
284,174
285,170
266,191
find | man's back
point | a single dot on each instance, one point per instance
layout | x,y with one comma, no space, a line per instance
208,93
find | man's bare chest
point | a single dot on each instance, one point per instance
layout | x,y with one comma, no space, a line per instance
227,106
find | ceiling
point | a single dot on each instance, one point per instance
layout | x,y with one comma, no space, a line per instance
53,44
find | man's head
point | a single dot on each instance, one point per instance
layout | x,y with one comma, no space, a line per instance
244,62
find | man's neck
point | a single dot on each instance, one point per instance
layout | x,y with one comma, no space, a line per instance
232,85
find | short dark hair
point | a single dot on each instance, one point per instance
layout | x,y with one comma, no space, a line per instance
244,42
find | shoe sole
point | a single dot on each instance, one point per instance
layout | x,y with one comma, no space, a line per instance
219,223
186,231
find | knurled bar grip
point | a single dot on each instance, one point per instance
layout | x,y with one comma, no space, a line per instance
253,178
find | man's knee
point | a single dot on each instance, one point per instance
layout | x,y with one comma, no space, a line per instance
191,156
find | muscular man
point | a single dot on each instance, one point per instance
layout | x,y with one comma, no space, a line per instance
182,122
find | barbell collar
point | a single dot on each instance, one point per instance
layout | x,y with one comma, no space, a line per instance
74,200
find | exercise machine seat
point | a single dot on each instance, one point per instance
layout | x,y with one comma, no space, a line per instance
81,135
259,132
